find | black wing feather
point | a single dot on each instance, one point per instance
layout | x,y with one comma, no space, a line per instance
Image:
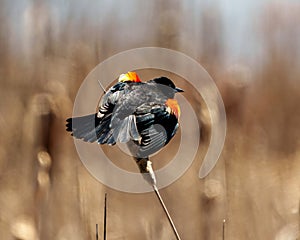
98,127
156,126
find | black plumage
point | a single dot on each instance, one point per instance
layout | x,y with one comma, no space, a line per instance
135,113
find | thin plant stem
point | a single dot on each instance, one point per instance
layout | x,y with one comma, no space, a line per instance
223,236
97,232
167,212
105,217
101,86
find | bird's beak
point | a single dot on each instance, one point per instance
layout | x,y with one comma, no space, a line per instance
179,89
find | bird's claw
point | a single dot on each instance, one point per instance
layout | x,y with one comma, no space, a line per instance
147,171
151,173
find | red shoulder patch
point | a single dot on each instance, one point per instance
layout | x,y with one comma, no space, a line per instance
129,77
134,77
173,106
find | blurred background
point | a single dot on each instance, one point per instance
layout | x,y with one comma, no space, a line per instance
251,49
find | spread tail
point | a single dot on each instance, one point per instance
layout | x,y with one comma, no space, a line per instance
90,128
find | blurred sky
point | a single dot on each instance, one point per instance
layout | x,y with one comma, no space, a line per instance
136,22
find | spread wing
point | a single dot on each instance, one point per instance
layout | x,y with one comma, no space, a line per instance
96,127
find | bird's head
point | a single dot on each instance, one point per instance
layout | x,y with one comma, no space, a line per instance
129,77
167,86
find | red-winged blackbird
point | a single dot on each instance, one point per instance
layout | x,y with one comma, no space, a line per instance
143,115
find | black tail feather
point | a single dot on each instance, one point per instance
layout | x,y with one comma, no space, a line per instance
89,128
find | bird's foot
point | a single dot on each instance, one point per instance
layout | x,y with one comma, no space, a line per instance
151,173
145,166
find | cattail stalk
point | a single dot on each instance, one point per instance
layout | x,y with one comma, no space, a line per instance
105,217
166,211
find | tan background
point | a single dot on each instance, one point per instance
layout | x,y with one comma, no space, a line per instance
252,52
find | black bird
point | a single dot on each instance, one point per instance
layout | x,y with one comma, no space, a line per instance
143,115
